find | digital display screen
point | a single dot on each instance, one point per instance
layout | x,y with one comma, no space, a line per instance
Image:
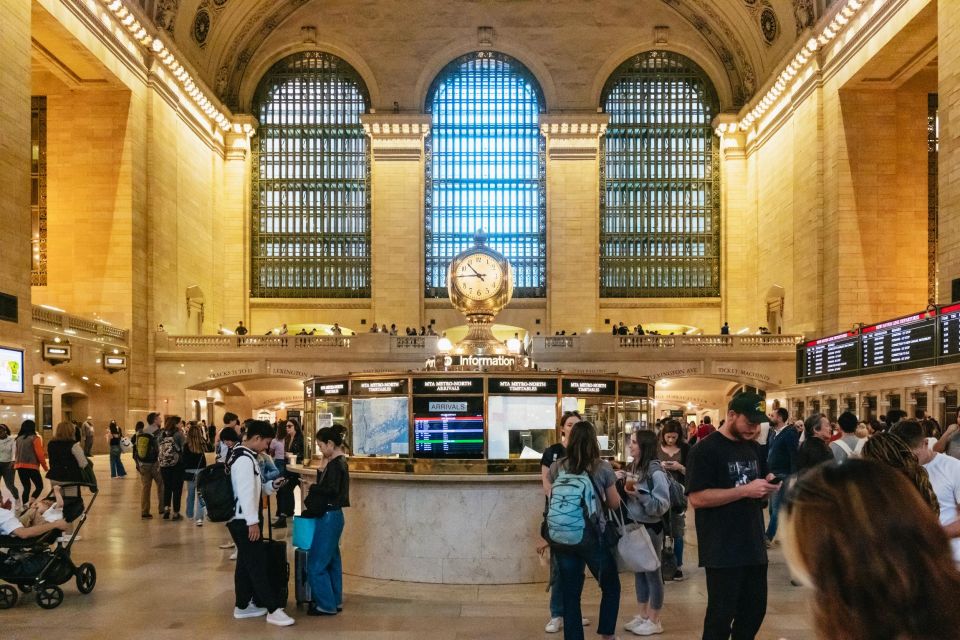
830,357
950,333
900,343
11,370
381,426
376,387
588,387
545,386
448,427
634,389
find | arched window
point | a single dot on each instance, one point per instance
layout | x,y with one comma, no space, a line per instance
485,169
660,181
310,235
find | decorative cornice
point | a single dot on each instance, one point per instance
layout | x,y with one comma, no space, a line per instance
395,136
573,136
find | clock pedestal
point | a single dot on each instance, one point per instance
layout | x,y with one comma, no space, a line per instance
480,340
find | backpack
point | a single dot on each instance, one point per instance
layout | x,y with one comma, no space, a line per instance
168,451
216,489
145,446
570,517
852,453
678,494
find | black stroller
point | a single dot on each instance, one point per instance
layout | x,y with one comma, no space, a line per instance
40,565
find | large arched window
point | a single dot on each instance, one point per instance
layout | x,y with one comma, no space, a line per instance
485,169
310,235
660,181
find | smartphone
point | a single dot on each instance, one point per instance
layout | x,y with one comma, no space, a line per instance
775,480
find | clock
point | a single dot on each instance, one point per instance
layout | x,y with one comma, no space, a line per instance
479,276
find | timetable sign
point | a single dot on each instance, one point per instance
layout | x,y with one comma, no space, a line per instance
904,342
950,331
833,356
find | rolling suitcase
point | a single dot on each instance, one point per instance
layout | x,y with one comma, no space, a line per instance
300,582
278,567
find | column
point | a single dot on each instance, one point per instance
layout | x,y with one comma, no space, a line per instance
235,224
573,220
396,224
741,306
948,69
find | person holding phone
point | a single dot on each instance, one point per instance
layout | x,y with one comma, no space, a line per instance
727,485
672,452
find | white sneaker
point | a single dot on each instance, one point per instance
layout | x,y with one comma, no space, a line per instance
647,628
636,622
228,545
554,625
251,611
280,618
233,556
199,523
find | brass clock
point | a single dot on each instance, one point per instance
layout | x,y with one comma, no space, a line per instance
480,284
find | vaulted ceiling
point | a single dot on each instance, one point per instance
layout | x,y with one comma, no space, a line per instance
231,43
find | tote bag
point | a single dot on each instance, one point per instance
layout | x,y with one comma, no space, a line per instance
635,551
303,529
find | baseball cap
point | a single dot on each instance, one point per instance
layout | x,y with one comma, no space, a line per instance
750,405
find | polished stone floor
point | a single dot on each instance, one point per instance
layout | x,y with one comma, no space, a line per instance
168,580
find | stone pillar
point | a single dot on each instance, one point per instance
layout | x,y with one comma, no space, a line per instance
235,224
948,69
573,220
741,306
396,225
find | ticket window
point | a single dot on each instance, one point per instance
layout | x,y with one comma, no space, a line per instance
633,415
520,426
893,401
949,407
324,413
601,411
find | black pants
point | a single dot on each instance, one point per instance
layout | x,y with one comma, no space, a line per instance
26,477
285,500
172,486
250,579
736,602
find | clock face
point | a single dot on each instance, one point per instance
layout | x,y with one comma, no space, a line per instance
478,277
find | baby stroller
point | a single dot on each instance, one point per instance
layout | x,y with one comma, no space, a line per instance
40,565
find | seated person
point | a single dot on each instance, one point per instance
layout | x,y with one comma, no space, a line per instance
41,510
10,526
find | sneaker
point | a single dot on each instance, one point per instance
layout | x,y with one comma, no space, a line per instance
279,523
313,611
251,611
166,515
678,576
199,523
280,618
227,545
233,556
554,625
636,622
647,628
146,516
177,516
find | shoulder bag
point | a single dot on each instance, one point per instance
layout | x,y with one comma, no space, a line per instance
635,550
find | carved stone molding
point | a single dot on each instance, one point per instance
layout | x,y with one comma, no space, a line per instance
573,136
396,136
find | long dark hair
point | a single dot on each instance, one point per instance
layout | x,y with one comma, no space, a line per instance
673,426
27,428
647,442
583,450
337,434
297,431
171,424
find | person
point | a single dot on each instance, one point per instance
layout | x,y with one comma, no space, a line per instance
66,456
7,472
647,501
393,329
949,442
863,431
336,330
283,329
293,444
944,473
194,459
846,537
706,428
894,416
227,439
325,501
888,448
113,435
28,460
240,330
783,444
849,444
170,444
253,595
553,453
725,329
727,481
815,448
583,456
10,525
672,451
49,509
211,435
88,434
145,453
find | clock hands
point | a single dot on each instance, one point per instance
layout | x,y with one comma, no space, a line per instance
476,273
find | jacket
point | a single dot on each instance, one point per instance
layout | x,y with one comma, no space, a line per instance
782,452
245,478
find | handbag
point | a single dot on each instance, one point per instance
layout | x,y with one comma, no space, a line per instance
303,530
125,445
635,550
87,475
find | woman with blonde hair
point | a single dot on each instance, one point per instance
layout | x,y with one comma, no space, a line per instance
66,456
878,559
194,459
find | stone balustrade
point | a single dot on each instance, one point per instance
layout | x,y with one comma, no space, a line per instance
59,323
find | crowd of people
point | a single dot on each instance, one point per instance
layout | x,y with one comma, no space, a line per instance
815,480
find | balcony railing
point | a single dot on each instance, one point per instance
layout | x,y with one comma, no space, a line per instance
60,322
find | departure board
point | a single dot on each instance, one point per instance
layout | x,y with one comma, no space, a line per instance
899,344
448,427
949,344
831,357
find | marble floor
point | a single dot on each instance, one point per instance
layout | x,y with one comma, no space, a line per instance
168,580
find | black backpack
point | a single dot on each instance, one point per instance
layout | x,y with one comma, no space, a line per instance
216,488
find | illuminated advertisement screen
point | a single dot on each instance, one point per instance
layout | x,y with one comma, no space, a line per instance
11,370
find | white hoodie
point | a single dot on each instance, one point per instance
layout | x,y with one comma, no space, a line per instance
244,476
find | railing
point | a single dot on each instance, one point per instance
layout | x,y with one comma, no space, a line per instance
60,322
559,342
602,342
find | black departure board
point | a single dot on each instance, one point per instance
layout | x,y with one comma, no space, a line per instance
899,344
949,344
831,357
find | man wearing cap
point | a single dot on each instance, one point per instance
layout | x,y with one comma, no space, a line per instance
88,436
727,483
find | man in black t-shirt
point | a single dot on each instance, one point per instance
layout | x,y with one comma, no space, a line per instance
727,485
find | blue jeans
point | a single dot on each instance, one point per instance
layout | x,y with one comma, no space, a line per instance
650,583
775,500
116,466
600,561
324,569
556,593
193,496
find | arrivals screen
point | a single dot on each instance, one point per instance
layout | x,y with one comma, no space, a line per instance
904,342
950,333
830,357
448,427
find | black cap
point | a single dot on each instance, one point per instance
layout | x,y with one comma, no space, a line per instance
750,405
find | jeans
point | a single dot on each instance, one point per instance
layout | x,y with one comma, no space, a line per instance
678,550
600,561
775,499
650,583
324,568
116,466
172,487
26,477
7,474
150,474
250,578
556,593
678,528
736,602
193,496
